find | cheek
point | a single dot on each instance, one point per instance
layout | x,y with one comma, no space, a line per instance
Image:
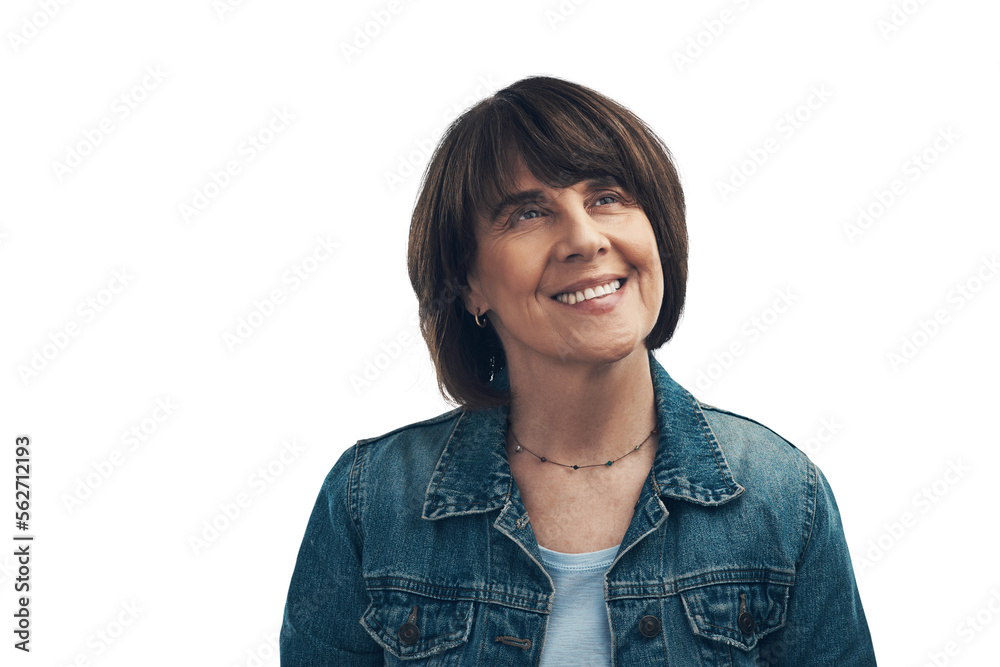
651,251
641,251
656,271
513,273
644,254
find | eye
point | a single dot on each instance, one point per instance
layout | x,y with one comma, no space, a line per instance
609,198
525,214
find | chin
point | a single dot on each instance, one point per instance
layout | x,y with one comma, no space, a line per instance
605,354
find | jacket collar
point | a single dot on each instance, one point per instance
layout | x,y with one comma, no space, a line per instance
473,474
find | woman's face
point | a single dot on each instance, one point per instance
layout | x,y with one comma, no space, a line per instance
546,243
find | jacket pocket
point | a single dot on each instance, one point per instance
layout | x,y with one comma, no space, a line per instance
412,627
734,615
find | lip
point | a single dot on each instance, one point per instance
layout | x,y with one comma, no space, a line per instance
581,285
599,306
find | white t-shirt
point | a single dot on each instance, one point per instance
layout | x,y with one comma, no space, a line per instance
579,631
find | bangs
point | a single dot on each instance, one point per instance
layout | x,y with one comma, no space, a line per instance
560,145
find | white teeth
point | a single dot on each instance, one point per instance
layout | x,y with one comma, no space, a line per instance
590,293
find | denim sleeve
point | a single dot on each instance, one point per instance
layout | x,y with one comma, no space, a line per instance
826,623
326,597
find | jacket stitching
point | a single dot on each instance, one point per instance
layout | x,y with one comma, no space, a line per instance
768,576
354,495
482,645
810,518
445,416
424,645
659,602
749,419
710,435
444,471
475,504
458,594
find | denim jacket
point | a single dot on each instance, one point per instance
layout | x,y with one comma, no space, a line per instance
419,552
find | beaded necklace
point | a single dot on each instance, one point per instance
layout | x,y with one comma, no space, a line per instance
519,448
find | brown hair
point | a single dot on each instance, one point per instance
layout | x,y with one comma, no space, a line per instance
564,133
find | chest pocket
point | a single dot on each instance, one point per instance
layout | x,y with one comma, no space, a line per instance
418,630
730,619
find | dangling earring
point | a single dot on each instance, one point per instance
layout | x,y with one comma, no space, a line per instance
482,325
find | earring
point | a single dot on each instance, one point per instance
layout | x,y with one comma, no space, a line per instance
482,325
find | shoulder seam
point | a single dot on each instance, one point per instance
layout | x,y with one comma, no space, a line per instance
706,406
427,422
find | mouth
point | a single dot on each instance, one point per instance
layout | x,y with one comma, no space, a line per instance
595,292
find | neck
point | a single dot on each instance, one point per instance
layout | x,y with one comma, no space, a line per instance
582,412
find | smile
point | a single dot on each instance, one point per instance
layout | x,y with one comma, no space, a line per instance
589,293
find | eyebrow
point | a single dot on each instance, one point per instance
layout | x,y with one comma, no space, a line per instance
525,196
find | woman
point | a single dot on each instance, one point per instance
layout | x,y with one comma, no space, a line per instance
579,507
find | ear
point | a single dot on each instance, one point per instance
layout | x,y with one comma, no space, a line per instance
472,294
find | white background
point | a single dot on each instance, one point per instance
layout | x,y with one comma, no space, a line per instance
821,373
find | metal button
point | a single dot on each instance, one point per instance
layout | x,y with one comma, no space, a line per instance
649,626
746,623
409,633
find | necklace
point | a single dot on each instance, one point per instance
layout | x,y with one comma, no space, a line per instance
519,448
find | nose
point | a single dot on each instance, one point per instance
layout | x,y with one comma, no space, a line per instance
580,235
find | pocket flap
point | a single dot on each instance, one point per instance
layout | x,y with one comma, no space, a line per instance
738,614
415,626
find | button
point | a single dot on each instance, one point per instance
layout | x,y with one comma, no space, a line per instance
746,623
409,633
649,626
